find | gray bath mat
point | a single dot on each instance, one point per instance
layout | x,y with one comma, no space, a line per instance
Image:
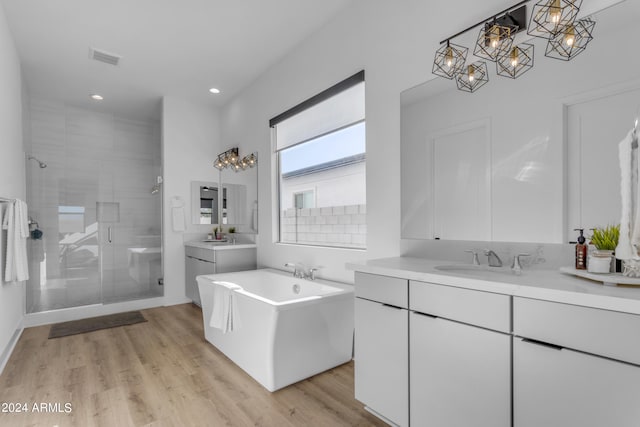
95,323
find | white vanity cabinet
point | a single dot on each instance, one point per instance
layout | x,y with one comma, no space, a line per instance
575,366
381,350
460,357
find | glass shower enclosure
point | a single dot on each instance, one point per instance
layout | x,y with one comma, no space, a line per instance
100,224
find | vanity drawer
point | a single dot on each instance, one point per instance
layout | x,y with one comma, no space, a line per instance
208,255
592,330
484,309
384,289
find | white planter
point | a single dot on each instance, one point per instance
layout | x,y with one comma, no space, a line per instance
599,264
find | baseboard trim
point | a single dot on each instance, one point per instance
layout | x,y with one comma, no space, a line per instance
6,354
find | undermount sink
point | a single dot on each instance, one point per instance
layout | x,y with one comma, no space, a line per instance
474,270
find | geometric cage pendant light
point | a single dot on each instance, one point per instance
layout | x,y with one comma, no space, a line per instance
549,17
515,62
571,41
475,76
449,60
493,39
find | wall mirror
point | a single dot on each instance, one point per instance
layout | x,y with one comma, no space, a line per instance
235,205
526,159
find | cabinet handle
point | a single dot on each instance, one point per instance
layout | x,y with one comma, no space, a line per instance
392,306
425,314
200,259
109,232
541,343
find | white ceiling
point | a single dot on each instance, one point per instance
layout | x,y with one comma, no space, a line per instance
168,47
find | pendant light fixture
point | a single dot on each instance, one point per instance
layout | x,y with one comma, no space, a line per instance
571,41
550,17
449,60
231,159
517,61
554,20
493,39
474,77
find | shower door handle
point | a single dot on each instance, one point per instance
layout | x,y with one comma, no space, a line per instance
109,234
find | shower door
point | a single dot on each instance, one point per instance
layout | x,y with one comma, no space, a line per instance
100,223
130,222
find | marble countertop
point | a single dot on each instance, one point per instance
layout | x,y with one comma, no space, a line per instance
219,246
549,285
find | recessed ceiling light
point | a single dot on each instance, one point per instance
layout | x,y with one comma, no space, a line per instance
214,90
97,97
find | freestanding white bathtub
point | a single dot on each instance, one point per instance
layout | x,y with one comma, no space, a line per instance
291,328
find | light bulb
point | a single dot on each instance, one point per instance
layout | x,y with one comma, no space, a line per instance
448,57
514,57
494,36
570,36
555,12
471,73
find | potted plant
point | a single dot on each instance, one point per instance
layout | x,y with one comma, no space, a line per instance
605,240
232,230
217,232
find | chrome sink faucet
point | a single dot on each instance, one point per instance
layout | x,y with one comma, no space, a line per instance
493,258
516,267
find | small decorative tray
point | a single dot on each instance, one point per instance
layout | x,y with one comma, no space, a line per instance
608,279
215,240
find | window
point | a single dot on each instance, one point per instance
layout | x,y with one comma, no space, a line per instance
303,200
321,155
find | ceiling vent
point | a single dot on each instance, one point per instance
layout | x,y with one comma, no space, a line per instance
102,56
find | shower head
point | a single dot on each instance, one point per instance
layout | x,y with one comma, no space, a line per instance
156,187
40,163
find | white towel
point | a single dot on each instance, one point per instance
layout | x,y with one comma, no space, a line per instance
225,315
177,214
16,223
630,217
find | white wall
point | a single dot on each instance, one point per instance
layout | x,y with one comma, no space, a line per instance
12,176
394,43
190,142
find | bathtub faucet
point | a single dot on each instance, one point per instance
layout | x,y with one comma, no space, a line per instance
299,270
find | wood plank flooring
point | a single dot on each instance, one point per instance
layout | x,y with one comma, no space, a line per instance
160,373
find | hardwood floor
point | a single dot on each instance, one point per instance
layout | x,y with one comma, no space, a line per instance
160,373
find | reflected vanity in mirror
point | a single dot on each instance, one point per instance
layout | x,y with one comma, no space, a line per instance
526,159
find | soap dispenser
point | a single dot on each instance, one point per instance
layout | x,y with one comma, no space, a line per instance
581,251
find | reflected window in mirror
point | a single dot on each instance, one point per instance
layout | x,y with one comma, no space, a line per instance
208,204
